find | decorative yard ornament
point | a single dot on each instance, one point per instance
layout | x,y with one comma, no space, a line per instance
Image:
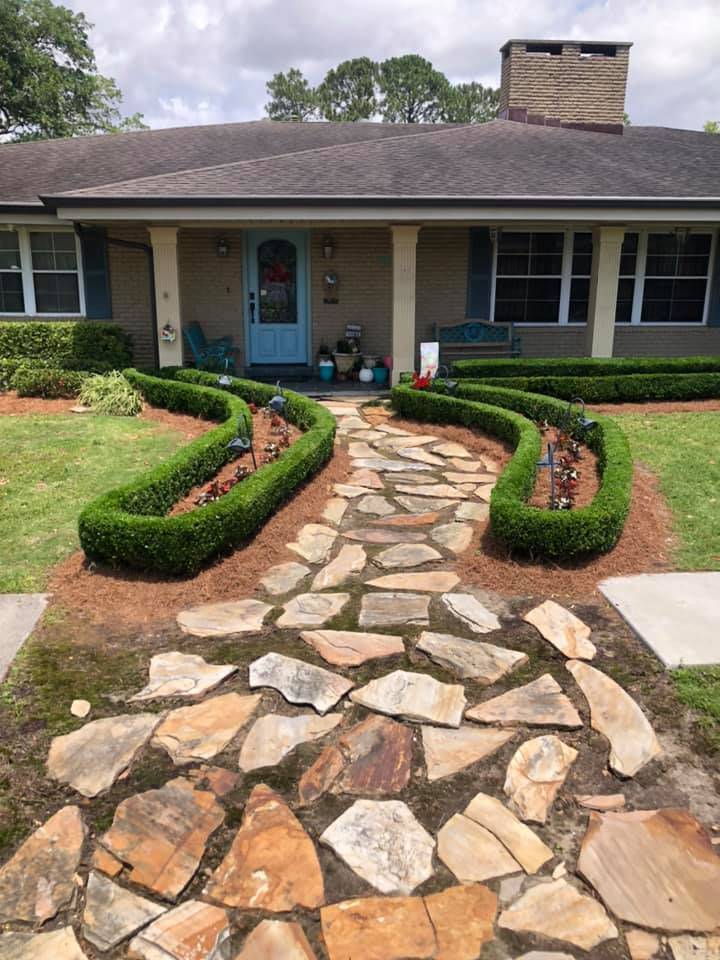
450,386
243,441
224,380
583,422
277,403
548,463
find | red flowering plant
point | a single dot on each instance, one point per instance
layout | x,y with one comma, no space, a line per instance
420,382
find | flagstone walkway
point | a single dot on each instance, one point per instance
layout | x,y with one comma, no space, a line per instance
413,811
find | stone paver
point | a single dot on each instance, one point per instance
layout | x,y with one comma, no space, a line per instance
381,535
351,491
601,801
414,520
525,845
284,577
223,619
389,466
464,477
476,512
273,736
473,613
404,555
387,609
366,478
192,931
420,505
376,506
314,609
470,659
535,774
378,928
540,703
314,542
397,443
182,675
345,648
59,944
200,732
455,537
471,852
350,561
451,449
112,914
419,455
566,632
19,613
433,581
276,940
415,696
299,681
436,490
447,750
335,510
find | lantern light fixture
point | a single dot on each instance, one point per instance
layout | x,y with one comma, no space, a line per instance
328,248
223,247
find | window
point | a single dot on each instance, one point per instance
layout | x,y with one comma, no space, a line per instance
11,286
626,281
580,278
529,277
676,273
55,272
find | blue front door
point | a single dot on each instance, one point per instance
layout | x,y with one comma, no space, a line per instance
276,296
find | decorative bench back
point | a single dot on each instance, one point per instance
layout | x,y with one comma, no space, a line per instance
496,339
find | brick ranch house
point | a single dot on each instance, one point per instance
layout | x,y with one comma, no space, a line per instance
591,237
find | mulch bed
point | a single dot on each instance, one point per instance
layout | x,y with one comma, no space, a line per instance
676,406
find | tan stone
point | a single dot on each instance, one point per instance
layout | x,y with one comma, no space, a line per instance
558,911
447,751
218,779
406,555
272,864
192,931
421,456
615,714
471,852
384,536
462,918
451,449
474,614
484,491
694,948
358,449
161,834
225,618
345,648
468,466
600,801
182,675
415,696
477,512
643,946
113,914
654,868
273,736
525,846
535,773
37,881
383,609
276,940
367,434
465,477
350,561
105,862
375,505
412,440
314,542
200,732
455,537
298,681
437,490
334,510
350,491
366,478
538,703
434,581
378,928
566,632
470,659
383,465
284,577
57,945
415,520
420,505
313,609
80,708
92,758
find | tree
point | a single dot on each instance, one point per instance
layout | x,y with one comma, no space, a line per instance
292,97
349,91
412,90
49,84
712,126
470,103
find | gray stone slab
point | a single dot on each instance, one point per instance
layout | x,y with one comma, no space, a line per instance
19,612
676,614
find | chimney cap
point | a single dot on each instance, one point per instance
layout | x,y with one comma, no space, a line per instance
574,42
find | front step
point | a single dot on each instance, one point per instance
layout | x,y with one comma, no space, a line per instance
272,372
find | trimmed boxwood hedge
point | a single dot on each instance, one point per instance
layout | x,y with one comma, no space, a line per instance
509,415
633,387
129,526
69,344
582,366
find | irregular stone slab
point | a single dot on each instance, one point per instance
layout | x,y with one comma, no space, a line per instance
367,435
411,440
161,834
378,928
566,632
272,864
535,773
334,510
408,477
217,779
383,609
38,880
419,505
58,945
350,561
540,703
350,491
406,555
463,920
525,846
654,868
615,715
313,609
112,914
105,862
450,449
600,801
447,751
415,696
19,613
434,581
375,505
366,478
455,537
471,852
276,940
284,577
545,955
372,759
468,488
314,542
385,536
484,491
382,842
416,520
200,732
223,619
349,419
273,736
468,609
476,512
690,948
92,758
388,466
442,490
80,708
470,659
359,449
395,431
421,456
192,931
298,681
558,911
643,946
463,477
345,648
469,466
182,675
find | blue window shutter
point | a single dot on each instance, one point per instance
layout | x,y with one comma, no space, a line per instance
479,274
96,273
713,316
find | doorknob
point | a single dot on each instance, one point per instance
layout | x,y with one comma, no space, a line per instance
252,308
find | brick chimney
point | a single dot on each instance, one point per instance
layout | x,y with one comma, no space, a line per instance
568,83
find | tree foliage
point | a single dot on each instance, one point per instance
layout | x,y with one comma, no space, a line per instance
470,103
49,84
349,91
712,126
412,90
292,97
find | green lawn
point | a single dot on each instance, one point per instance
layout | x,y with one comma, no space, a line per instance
50,467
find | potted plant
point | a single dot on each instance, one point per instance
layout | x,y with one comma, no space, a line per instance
380,372
344,357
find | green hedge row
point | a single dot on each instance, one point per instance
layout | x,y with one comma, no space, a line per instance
509,415
582,366
129,526
47,382
74,342
629,388
9,368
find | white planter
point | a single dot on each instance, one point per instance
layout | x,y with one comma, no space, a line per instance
366,375
344,362
369,360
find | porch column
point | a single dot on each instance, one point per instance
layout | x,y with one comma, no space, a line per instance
167,292
600,332
404,238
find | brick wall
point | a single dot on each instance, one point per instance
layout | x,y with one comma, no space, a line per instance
130,291
441,293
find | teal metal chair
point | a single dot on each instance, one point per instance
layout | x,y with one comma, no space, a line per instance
216,353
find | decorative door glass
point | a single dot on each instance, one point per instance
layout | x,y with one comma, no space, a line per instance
277,281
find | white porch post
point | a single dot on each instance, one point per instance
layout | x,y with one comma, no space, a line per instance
167,292
404,238
600,332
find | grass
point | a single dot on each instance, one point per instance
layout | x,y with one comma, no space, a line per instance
50,467
699,688
682,449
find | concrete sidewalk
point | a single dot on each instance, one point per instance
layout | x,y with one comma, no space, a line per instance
19,612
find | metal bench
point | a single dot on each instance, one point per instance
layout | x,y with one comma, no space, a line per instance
476,338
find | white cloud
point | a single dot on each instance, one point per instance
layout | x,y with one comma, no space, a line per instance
202,61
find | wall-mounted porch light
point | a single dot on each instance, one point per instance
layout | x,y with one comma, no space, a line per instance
223,247
328,248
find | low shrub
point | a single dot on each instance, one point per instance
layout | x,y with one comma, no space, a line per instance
65,342
130,525
509,415
582,366
630,388
8,368
48,382
111,394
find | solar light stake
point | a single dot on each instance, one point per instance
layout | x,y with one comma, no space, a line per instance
548,461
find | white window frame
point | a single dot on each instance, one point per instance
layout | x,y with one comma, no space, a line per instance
23,234
564,301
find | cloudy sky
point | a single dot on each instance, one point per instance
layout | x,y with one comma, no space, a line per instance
206,61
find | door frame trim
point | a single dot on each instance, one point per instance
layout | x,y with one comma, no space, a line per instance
245,313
